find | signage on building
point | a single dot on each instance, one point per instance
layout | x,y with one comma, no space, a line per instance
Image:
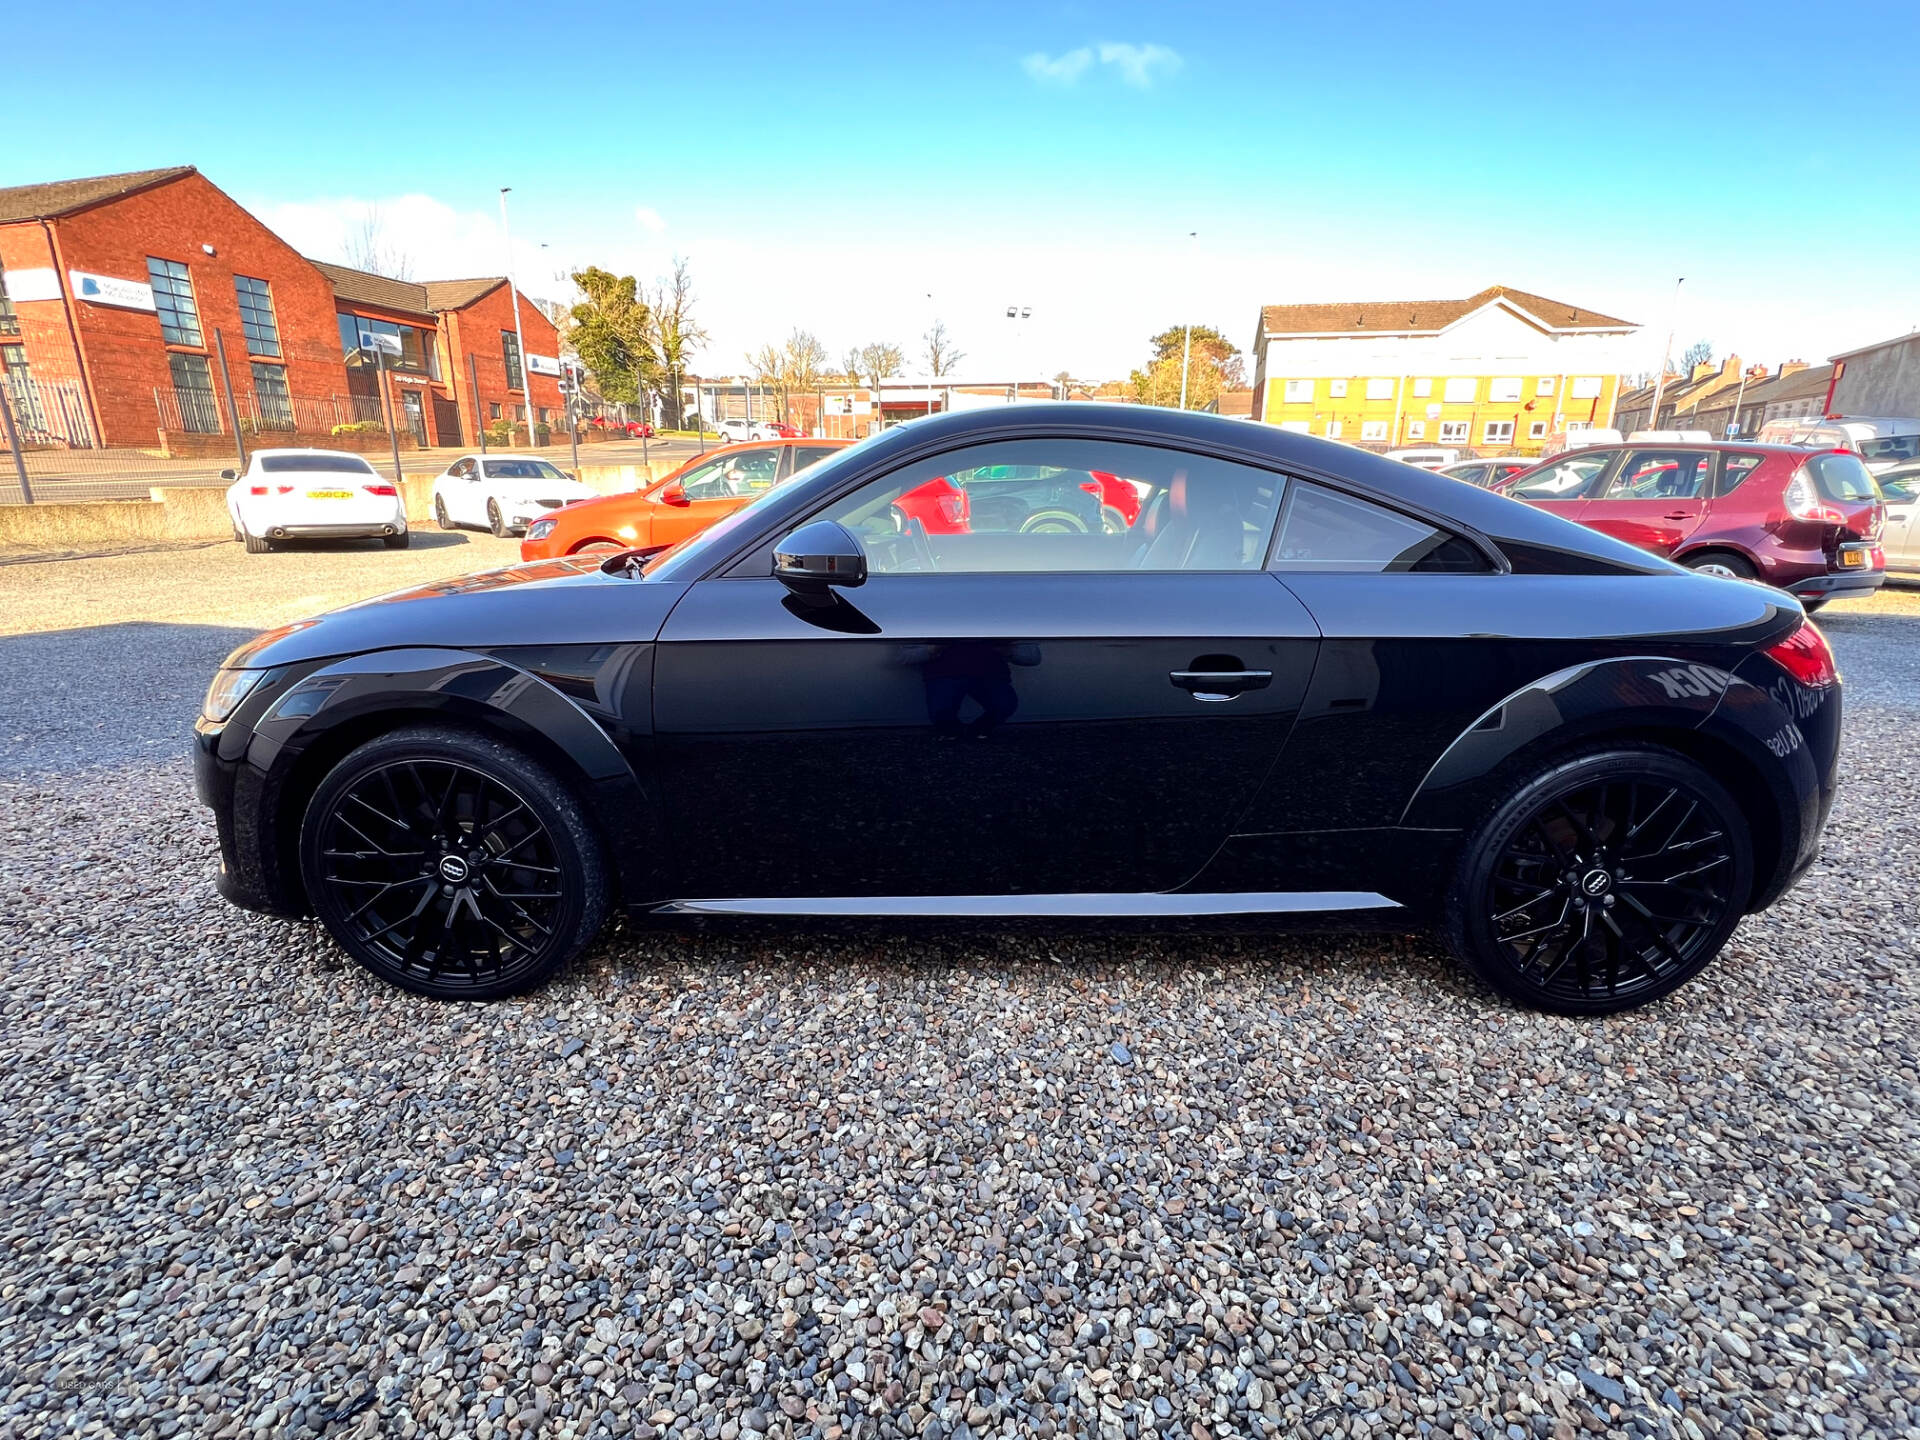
405,379
43,284
110,290
543,364
374,340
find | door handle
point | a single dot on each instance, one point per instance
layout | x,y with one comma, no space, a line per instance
1215,686
1678,515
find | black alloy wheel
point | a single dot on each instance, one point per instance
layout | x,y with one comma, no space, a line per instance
451,865
1603,883
440,516
496,522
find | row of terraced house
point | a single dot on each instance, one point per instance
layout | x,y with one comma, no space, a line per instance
151,310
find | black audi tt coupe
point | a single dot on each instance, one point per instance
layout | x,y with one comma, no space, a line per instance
1295,684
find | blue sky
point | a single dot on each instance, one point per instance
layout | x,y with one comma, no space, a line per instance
858,171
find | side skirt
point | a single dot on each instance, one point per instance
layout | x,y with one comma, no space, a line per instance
1028,907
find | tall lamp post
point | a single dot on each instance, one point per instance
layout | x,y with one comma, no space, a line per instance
1186,348
1019,314
519,335
1666,356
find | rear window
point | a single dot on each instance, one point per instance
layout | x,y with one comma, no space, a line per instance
308,464
1841,477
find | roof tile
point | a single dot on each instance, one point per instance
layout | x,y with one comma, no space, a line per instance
59,197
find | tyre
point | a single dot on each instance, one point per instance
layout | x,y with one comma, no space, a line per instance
1723,563
256,544
1601,882
1053,522
452,865
496,522
597,547
440,516
400,541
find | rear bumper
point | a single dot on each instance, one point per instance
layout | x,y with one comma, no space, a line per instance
1839,585
365,530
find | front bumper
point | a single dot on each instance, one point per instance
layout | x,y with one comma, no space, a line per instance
217,782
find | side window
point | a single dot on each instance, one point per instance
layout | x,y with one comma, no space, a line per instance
1324,530
1736,468
708,481
1662,475
1043,506
1568,480
805,455
753,472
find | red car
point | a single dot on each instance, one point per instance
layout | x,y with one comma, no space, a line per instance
632,429
1806,521
1023,498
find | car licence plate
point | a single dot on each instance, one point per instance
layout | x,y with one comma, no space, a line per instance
329,494
1858,557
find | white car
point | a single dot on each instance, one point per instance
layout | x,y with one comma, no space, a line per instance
313,495
736,430
504,494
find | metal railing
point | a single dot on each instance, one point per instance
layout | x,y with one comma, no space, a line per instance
49,412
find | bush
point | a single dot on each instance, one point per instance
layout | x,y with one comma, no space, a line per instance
542,434
360,427
498,431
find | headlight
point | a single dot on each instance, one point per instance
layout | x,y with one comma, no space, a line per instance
540,529
228,689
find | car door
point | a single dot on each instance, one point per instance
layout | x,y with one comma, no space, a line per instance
471,494
719,487
991,714
446,485
1563,486
1901,533
1655,498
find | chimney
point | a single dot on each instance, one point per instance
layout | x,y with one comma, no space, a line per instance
1792,367
1702,370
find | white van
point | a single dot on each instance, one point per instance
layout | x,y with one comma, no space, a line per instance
1579,439
1426,457
1880,441
1672,437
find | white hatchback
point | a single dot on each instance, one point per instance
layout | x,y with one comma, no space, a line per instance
503,493
313,495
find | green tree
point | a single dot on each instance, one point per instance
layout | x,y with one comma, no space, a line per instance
612,332
1214,366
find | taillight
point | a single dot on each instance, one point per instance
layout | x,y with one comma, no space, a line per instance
380,490
1806,656
256,489
270,489
1804,502
954,505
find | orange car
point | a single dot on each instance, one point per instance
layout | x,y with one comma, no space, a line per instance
683,504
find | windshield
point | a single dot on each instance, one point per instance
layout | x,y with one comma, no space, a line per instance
308,464
523,470
1890,447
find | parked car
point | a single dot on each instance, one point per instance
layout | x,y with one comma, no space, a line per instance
773,430
1580,438
632,429
737,431
1808,522
1900,493
1425,457
1581,765
313,495
1881,442
695,495
1486,472
505,494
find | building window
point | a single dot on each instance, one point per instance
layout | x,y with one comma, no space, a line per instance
256,315
1333,429
13,360
1503,388
543,415
1463,391
1453,432
1537,430
418,353
510,350
1497,432
1299,391
1543,386
9,322
1586,387
272,405
1422,389
193,393
1337,389
1416,429
173,299
1379,389
493,411
1373,429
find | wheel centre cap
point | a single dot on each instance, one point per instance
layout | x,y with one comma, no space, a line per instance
454,869
1596,882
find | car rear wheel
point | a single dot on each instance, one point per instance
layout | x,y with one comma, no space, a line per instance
452,865
400,541
496,522
256,544
1602,882
440,517
1721,563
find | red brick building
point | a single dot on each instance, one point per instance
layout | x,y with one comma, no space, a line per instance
150,309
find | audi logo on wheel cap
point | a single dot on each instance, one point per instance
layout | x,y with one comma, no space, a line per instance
453,869
1597,882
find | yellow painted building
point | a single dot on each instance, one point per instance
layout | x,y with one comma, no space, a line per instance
1498,372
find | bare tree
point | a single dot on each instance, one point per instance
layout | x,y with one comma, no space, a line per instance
942,355
368,248
880,361
677,336
1698,353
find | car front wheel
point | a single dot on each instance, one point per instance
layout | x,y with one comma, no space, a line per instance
452,865
496,522
1602,882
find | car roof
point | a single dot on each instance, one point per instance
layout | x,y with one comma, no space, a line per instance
304,450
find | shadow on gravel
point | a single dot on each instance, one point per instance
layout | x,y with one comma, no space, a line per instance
105,695
422,540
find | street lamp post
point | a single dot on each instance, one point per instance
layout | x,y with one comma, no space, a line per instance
519,335
1666,356
1019,314
1186,348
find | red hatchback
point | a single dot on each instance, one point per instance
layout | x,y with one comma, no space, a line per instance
1807,521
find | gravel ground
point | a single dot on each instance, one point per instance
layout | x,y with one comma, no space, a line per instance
721,1186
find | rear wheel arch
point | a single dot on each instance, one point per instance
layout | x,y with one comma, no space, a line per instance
1698,554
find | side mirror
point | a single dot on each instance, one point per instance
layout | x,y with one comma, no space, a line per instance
675,494
818,555
229,475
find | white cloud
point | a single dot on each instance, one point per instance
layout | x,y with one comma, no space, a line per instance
650,219
1138,65
1062,69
